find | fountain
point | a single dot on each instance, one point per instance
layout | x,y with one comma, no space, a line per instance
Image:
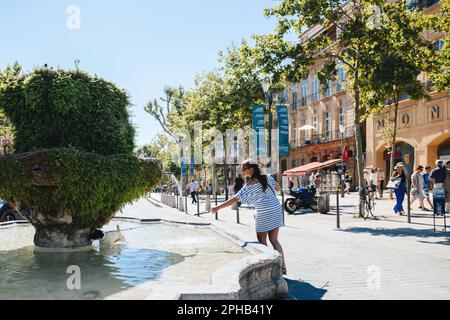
74,166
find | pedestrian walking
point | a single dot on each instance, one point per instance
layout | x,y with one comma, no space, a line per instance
348,181
427,185
193,188
260,191
380,182
417,183
438,177
373,180
447,188
290,184
398,179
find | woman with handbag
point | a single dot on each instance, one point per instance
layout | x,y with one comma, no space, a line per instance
398,183
260,192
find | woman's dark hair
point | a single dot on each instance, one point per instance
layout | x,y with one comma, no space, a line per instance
256,174
97,235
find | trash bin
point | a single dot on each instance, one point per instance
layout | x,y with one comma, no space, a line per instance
324,202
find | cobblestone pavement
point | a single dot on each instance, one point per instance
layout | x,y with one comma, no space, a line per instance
373,259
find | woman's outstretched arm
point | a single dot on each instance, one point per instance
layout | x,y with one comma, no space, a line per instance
224,205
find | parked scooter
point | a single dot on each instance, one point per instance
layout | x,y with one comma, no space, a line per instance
7,213
303,198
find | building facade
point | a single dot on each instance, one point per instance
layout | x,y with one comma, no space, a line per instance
317,115
423,134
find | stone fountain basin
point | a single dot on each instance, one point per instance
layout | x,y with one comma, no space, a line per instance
161,260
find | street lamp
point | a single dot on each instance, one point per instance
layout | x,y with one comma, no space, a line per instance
267,87
342,131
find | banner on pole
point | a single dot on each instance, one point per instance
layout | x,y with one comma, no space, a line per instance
283,130
260,130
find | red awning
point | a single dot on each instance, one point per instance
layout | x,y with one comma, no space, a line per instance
303,170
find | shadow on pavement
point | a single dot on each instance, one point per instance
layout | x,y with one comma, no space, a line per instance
403,232
299,290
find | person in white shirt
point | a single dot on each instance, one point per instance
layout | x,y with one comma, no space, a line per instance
380,182
417,183
193,188
373,180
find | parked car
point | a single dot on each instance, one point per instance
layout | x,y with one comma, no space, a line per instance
7,213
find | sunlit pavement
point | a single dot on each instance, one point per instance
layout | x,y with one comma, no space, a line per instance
372,259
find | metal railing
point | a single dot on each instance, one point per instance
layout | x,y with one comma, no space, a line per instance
322,138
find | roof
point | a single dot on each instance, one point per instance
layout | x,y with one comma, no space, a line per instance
303,170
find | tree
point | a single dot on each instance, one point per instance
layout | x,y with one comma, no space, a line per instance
394,74
351,46
174,104
74,168
441,24
162,148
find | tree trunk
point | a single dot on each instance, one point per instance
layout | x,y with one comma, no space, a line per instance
359,144
394,136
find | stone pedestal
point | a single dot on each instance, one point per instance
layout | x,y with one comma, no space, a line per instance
58,238
208,203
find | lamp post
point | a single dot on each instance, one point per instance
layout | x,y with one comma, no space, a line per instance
267,87
342,175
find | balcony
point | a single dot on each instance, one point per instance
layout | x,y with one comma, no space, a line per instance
322,138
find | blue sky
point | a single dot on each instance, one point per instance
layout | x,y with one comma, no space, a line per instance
141,45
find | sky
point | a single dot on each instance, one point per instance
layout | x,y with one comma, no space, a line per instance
141,45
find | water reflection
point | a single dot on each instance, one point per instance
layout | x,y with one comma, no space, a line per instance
33,274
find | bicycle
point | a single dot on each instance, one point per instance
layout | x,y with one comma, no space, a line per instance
367,204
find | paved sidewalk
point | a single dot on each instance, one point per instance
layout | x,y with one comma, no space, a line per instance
372,259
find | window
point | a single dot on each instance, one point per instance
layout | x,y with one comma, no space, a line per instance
380,124
328,88
439,45
294,97
304,92
295,137
341,77
315,89
328,126
284,96
341,116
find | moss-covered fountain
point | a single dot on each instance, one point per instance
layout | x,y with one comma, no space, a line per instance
73,167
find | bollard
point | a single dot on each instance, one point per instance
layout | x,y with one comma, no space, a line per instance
198,206
185,205
178,205
181,204
208,203
216,199
237,213
338,218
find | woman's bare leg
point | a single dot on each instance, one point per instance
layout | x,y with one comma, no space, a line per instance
262,237
273,237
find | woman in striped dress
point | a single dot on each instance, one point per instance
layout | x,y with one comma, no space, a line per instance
260,192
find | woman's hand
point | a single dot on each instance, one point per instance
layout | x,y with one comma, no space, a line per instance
214,210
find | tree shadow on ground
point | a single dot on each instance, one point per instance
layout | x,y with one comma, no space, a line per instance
300,290
404,232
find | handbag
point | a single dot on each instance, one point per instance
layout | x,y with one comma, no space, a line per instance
394,184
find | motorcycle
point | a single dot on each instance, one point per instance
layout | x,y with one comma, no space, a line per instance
7,213
303,198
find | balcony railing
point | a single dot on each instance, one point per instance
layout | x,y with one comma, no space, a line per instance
322,138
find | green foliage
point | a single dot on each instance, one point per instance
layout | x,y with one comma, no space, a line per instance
61,109
162,148
403,56
91,188
441,23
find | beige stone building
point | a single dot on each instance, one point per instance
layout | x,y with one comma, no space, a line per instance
423,126
324,110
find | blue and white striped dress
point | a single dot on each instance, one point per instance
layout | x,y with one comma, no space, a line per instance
269,213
